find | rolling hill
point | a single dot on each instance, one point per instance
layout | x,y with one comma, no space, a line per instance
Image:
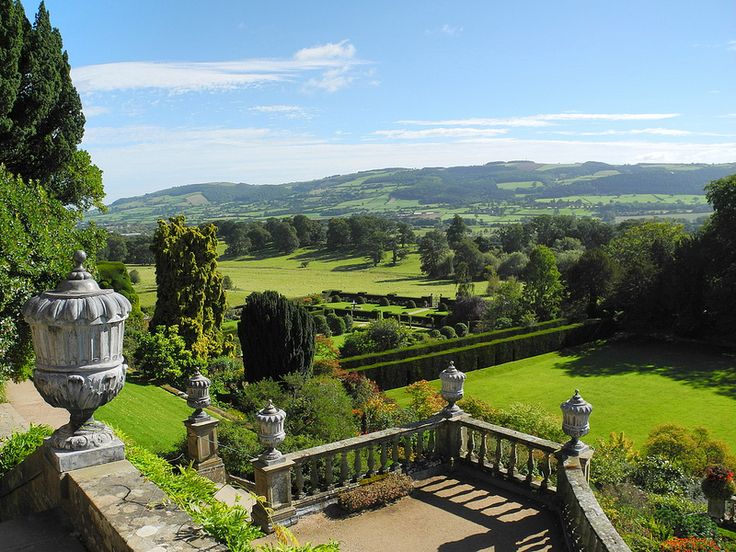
498,192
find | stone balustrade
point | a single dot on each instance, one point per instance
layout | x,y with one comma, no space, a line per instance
510,455
320,473
586,526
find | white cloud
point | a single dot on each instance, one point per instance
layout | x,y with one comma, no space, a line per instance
731,45
187,76
441,132
451,29
542,119
94,110
641,131
288,111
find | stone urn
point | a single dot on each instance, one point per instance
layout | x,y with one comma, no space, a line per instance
271,432
77,332
453,381
575,423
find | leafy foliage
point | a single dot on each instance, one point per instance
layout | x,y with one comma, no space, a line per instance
377,493
163,356
15,448
276,335
189,287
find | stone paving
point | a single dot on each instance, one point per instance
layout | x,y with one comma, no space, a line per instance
443,514
31,406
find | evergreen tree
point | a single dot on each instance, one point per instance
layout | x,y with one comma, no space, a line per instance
41,119
189,287
276,335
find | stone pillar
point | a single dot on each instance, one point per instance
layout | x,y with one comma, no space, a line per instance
202,449
273,483
202,431
448,439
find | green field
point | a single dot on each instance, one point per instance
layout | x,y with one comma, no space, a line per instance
633,387
685,199
283,274
149,415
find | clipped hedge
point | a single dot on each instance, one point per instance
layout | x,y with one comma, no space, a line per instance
399,373
427,348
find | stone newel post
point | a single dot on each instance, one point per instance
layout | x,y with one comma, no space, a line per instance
575,415
272,472
202,431
77,332
452,389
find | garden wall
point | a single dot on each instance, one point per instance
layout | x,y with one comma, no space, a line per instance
399,373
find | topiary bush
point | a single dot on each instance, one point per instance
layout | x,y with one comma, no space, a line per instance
411,304
336,324
461,329
320,325
335,299
378,493
435,334
442,307
448,332
360,300
348,319
384,302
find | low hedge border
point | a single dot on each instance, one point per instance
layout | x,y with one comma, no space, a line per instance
379,493
399,373
428,348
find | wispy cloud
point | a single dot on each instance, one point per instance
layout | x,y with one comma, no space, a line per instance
333,60
541,120
94,110
731,45
451,29
287,111
641,131
441,132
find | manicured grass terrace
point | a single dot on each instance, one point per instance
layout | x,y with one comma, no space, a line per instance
633,386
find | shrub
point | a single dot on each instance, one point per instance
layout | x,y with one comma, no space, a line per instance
384,302
227,282
381,492
425,400
435,334
357,343
448,332
348,322
335,299
532,419
163,357
461,329
254,396
360,300
528,320
226,374
442,307
683,517
411,304
336,324
659,475
320,325
19,445
615,460
135,276
692,449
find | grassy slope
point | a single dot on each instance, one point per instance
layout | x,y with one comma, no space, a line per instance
149,415
633,387
283,274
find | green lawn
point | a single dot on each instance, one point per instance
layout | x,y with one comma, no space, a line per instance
149,415
284,274
633,387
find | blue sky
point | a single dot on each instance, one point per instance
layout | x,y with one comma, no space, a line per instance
177,92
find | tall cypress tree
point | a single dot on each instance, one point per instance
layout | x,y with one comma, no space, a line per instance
189,287
41,119
276,335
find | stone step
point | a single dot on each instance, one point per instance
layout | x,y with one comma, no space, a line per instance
48,531
232,495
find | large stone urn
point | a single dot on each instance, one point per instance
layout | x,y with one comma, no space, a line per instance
77,332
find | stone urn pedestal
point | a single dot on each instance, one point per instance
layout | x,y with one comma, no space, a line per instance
77,332
716,508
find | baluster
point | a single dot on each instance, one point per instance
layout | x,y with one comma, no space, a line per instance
407,453
329,461
498,458
357,466
482,451
314,476
384,457
546,469
344,469
471,445
395,455
420,443
299,479
371,461
431,441
530,466
511,468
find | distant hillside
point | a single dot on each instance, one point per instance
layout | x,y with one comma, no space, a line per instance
497,192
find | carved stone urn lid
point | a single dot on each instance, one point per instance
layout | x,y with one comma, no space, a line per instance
270,414
576,405
451,373
77,300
